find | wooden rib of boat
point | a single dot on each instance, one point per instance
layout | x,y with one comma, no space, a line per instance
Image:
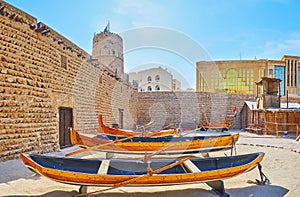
205,143
97,172
121,132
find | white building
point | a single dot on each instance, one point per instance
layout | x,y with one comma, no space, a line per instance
154,79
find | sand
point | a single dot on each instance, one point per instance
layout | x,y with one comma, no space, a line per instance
281,164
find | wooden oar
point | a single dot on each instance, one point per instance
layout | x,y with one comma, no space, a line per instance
135,179
167,126
154,133
148,156
149,123
142,128
190,132
98,146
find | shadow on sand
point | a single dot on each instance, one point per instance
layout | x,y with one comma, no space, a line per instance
267,190
15,170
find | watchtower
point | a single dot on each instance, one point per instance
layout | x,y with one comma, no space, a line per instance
270,97
108,51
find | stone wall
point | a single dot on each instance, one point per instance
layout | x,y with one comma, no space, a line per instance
41,71
184,108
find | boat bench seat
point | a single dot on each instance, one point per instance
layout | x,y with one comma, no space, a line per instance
103,169
191,166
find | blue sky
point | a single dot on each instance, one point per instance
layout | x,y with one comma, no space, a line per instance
225,29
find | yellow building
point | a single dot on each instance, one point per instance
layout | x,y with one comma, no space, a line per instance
239,76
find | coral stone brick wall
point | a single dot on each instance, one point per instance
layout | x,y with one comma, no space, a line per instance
26,113
184,108
40,71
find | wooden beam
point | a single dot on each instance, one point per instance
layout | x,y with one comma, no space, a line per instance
103,169
191,166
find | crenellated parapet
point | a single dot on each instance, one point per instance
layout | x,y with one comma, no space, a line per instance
60,40
17,15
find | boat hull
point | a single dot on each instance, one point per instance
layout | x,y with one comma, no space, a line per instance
121,132
180,145
68,170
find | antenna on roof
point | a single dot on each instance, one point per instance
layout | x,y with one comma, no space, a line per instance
107,28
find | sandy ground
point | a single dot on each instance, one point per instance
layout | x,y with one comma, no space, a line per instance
281,164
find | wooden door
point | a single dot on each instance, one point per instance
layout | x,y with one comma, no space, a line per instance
65,124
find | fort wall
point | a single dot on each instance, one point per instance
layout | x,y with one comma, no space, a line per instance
184,108
41,71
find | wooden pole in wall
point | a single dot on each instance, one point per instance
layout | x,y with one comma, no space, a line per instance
265,122
287,99
276,123
297,130
279,94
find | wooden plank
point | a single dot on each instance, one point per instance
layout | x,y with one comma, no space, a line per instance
191,166
103,167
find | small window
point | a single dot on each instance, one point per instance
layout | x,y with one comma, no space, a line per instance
157,88
157,77
149,78
270,71
149,89
63,61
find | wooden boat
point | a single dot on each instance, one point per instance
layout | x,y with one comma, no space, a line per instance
206,143
225,126
119,173
121,132
170,138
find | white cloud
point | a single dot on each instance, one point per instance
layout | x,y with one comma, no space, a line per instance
278,48
141,13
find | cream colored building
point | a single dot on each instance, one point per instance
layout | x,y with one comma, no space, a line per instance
176,85
239,76
154,79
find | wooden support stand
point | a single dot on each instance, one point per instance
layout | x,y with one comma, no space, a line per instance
218,187
83,189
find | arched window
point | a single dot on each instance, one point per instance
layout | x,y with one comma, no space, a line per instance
157,77
149,78
149,89
157,87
